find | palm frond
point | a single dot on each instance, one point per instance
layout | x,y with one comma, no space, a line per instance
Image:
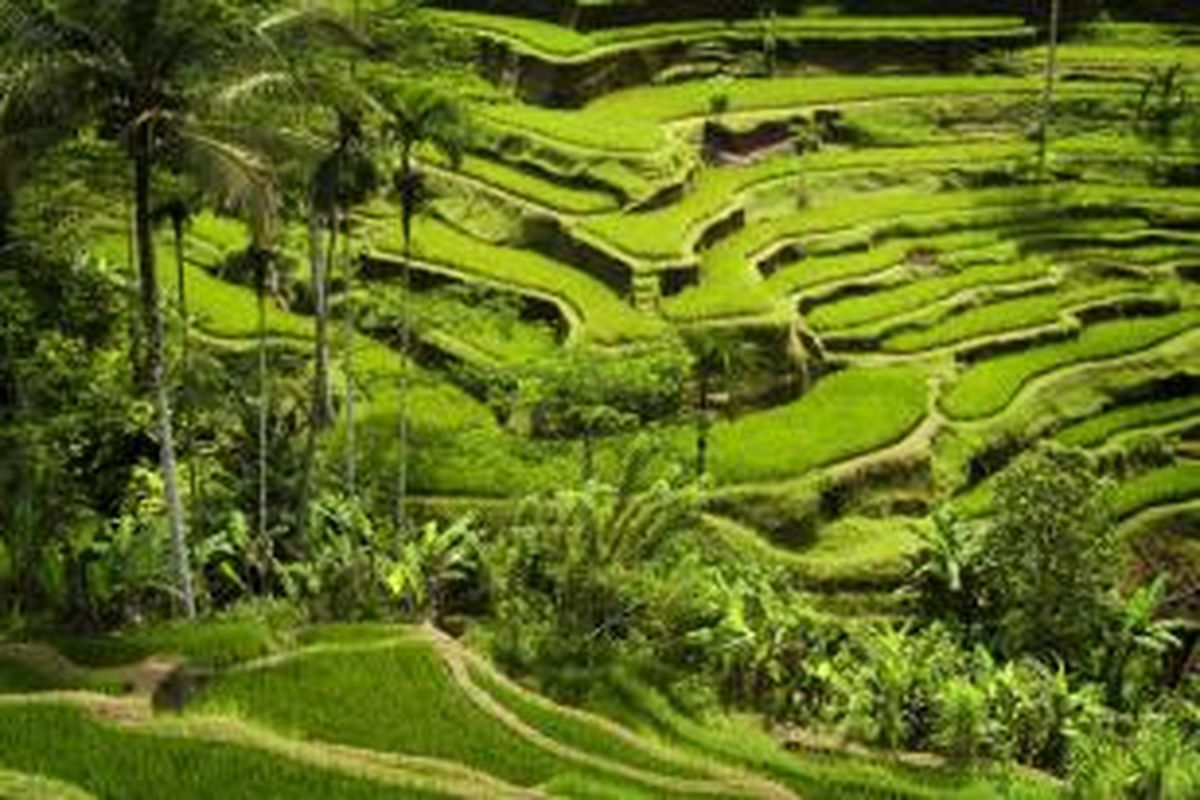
237,177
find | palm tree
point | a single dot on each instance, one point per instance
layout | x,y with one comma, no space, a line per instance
416,115
261,259
1051,80
438,556
945,572
1141,632
336,169
127,67
342,176
334,152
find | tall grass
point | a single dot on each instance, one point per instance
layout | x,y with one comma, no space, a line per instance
578,733
110,762
846,415
398,699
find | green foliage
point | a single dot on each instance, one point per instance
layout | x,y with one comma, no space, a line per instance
1049,553
430,563
572,576
962,726
1138,643
947,570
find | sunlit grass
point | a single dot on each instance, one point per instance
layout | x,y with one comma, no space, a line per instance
839,419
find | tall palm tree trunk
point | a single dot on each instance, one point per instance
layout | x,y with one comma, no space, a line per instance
408,198
702,426
351,454
1048,92
319,404
177,223
156,360
260,265
322,402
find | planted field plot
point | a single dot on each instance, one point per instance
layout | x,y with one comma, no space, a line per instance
1100,428
987,388
446,705
560,44
103,759
1174,484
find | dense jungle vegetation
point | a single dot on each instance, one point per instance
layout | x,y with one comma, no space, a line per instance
600,399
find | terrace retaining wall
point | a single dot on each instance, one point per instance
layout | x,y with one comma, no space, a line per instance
540,81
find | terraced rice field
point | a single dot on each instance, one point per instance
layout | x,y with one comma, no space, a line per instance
926,291
393,711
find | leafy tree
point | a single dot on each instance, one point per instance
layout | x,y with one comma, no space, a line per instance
1164,103
1050,556
130,68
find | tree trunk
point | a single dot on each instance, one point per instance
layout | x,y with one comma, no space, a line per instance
408,200
351,451
156,360
181,292
322,404
185,400
319,406
1048,94
702,427
264,543
137,355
